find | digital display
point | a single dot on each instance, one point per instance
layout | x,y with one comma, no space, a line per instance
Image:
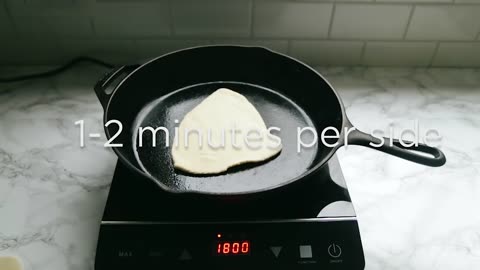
232,247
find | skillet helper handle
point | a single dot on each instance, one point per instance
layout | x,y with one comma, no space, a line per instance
422,154
107,79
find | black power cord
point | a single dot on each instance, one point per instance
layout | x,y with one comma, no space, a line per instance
57,70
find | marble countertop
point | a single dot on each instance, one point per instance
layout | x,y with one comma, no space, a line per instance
52,192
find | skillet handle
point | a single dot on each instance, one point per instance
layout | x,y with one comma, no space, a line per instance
422,154
107,79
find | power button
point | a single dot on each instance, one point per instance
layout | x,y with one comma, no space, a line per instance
334,250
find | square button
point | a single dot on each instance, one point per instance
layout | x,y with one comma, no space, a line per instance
305,251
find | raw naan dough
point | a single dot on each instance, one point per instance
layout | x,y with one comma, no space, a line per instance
10,263
222,110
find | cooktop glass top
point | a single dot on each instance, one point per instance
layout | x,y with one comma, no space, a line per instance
136,198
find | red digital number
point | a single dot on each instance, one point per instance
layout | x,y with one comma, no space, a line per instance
227,248
235,247
245,247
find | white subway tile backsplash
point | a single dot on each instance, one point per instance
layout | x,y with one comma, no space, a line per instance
211,17
444,23
460,54
328,52
368,21
319,32
132,20
124,1
114,51
289,19
50,2
416,1
148,49
276,45
6,26
54,26
54,8
468,1
399,53
30,51
326,1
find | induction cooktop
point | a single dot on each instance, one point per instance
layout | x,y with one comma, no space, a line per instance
144,227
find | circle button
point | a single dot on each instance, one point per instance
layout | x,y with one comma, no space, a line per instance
334,251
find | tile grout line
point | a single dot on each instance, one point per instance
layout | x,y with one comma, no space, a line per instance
252,17
362,53
397,40
434,55
8,11
91,19
330,26
243,38
285,38
382,2
410,16
170,18
10,18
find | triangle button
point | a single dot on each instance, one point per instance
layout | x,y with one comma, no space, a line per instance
185,256
276,250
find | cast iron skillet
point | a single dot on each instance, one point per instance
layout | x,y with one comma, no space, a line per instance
287,93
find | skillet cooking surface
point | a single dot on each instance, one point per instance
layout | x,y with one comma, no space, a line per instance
275,109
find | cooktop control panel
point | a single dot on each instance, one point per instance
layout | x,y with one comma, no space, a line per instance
319,243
